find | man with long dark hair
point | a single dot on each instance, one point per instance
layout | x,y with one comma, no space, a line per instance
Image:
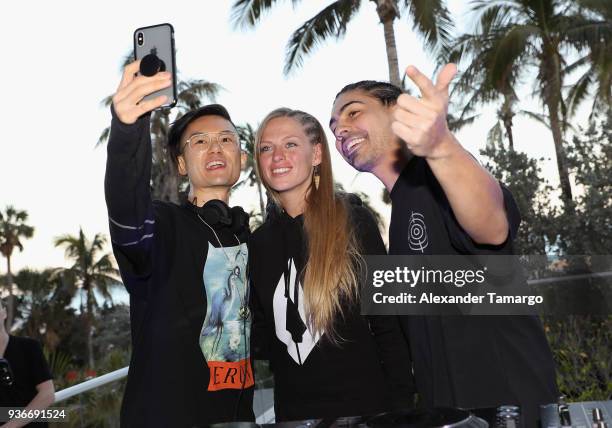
445,203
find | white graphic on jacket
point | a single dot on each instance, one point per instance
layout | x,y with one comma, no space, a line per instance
417,232
298,351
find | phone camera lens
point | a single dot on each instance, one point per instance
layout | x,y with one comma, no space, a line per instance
140,39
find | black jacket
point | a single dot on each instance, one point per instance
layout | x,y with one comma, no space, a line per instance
466,361
367,373
190,353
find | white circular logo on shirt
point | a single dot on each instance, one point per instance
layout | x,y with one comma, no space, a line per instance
417,232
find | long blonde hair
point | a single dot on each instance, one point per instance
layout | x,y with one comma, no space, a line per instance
330,276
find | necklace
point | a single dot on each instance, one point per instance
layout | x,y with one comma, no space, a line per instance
244,309
218,240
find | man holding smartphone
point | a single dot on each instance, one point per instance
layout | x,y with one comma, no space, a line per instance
445,203
184,265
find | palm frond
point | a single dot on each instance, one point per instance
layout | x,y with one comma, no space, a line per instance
103,138
455,124
107,101
432,20
247,13
583,33
538,117
191,92
512,46
331,21
578,93
581,62
494,13
495,136
128,58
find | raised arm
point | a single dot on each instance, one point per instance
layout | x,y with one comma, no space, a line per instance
128,173
474,195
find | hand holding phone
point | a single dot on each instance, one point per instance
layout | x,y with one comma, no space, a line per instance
129,101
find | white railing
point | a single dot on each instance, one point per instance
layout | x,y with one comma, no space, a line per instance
90,384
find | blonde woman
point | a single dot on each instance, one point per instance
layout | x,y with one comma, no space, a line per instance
327,359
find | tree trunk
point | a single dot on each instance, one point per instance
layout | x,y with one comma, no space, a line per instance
387,12
394,76
553,82
508,127
171,183
507,115
555,126
89,327
10,304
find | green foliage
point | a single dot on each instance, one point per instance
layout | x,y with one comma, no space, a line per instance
587,227
100,407
90,273
522,176
113,330
43,307
531,40
582,346
13,228
582,227
59,364
246,134
582,350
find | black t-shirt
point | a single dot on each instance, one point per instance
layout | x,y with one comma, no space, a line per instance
465,361
29,368
190,363
314,377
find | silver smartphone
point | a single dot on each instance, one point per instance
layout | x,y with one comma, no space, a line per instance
158,40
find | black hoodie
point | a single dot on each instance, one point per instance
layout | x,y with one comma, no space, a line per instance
368,372
190,363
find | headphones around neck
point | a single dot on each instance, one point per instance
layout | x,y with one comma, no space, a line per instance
218,214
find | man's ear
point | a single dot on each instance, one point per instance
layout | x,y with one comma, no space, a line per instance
391,109
318,154
182,167
244,157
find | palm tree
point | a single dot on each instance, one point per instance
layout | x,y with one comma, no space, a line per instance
90,273
485,80
165,180
598,74
13,229
246,133
540,34
44,305
431,20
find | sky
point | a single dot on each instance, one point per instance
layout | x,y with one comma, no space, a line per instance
63,58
